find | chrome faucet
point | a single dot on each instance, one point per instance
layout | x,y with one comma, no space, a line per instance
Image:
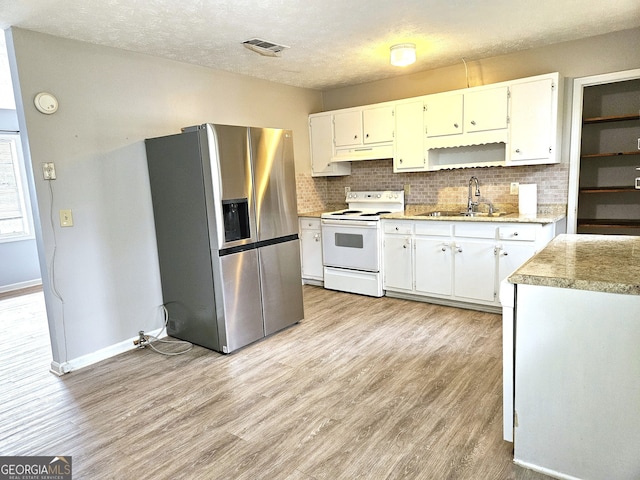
470,203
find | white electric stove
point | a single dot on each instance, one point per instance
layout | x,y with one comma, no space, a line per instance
352,242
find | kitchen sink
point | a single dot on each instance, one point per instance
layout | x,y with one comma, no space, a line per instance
440,213
483,214
453,213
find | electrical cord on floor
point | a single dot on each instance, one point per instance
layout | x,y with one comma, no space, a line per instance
154,339
52,272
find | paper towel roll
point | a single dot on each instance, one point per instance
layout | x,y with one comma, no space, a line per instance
528,199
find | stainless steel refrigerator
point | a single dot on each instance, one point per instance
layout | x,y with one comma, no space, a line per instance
224,202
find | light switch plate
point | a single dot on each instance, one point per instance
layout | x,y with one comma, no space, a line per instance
514,189
66,218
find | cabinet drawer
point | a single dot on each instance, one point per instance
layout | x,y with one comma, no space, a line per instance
518,232
475,230
433,228
309,223
398,227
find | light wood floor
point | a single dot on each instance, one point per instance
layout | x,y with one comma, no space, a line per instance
362,388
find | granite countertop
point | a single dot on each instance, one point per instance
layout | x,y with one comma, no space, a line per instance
504,213
601,263
315,214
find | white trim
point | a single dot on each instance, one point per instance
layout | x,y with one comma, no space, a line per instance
546,471
19,286
576,135
100,355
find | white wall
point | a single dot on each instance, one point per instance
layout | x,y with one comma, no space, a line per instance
106,268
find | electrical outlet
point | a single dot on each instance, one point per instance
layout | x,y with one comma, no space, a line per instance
639,144
407,190
347,190
49,171
515,188
66,219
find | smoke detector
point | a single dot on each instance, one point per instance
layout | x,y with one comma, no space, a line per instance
263,47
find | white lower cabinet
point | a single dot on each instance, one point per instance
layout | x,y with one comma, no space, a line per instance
434,258
511,255
398,255
311,250
457,262
475,270
433,271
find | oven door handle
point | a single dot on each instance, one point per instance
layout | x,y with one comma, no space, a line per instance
347,223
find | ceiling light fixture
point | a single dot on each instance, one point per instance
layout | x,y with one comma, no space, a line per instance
403,54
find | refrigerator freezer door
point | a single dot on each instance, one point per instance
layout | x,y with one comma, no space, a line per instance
280,275
232,183
274,182
241,292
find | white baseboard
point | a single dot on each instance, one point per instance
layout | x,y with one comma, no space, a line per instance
98,356
546,471
20,285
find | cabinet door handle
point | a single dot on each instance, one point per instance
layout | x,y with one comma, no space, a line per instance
473,122
455,125
355,137
459,249
515,234
367,135
517,150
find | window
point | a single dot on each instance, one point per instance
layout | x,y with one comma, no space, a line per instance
15,223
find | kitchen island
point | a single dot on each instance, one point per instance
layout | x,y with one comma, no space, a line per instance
576,318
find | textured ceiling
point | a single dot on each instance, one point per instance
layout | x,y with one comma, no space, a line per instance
333,42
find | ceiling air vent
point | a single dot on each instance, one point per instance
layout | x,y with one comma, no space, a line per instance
265,48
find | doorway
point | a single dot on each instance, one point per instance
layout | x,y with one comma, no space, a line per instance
604,175
22,313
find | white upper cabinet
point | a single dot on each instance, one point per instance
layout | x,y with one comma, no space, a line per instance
473,117
364,133
534,121
378,124
486,110
517,122
443,115
409,142
348,128
321,141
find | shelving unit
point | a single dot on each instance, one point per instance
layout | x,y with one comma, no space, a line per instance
608,202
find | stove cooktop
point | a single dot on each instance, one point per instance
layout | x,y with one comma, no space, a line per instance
369,205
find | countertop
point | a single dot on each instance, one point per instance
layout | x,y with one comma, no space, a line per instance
600,263
548,214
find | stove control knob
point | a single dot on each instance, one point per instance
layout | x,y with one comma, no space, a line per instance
379,195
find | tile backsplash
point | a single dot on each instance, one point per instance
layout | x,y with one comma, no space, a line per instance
440,187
